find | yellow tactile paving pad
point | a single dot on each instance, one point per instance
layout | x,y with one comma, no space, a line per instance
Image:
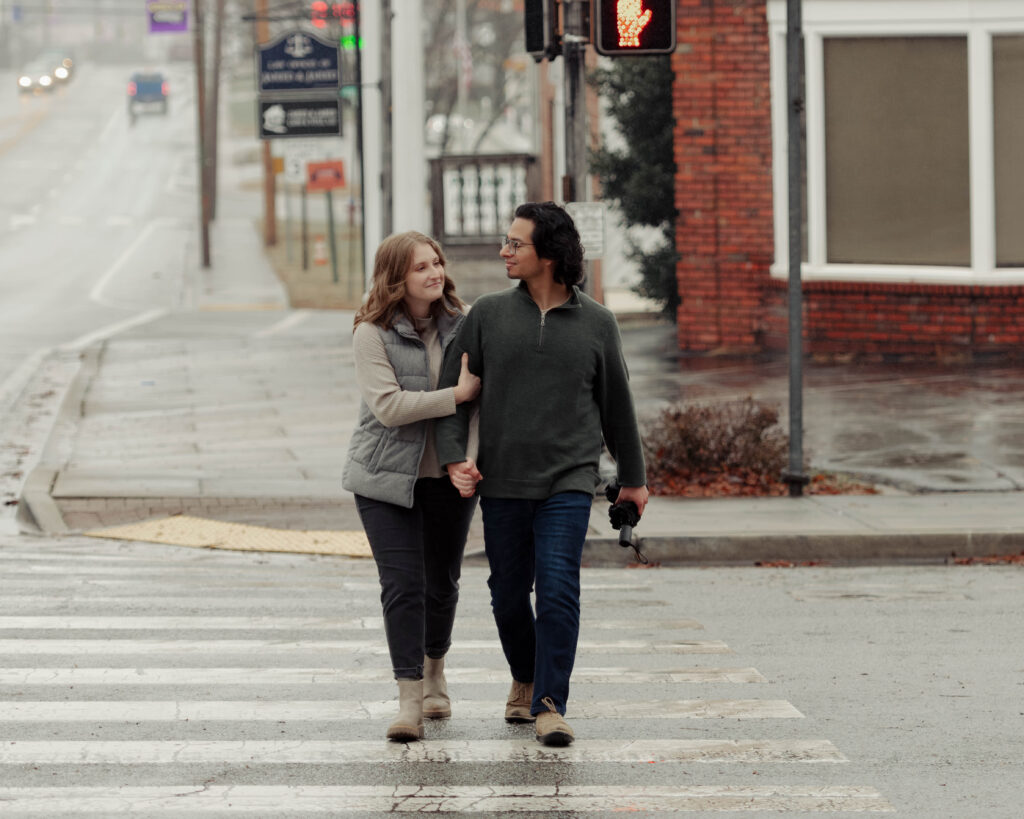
183,530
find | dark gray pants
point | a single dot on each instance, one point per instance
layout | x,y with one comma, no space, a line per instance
418,553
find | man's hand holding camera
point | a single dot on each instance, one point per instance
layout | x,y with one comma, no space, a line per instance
633,494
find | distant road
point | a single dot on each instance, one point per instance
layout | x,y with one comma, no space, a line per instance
96,216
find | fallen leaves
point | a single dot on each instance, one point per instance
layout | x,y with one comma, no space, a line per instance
991,560
748,483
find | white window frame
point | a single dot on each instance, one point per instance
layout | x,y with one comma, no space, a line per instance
978,21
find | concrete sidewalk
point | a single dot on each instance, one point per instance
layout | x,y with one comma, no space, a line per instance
244,415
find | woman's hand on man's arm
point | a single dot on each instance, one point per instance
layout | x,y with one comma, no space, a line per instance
468,386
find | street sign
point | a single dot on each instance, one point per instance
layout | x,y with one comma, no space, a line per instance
297,152
325,176
589,219
282,118
297,61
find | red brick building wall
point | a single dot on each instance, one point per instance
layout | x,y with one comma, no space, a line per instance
724,231
723,153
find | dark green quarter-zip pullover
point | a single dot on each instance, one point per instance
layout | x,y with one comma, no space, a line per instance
555,386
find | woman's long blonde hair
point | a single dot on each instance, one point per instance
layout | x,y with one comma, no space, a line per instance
387,290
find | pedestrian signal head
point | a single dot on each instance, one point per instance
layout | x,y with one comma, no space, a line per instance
634,27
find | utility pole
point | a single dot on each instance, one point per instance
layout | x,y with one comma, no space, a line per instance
269,183
387,136
201,141
211,158
795,476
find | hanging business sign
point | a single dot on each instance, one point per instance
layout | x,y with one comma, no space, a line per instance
297,61
299,118
167,15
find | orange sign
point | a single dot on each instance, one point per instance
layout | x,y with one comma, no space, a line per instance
325,176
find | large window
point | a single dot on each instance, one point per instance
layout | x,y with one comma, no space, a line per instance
1008,124
915,140
896,155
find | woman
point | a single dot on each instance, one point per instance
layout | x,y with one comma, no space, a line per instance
415,520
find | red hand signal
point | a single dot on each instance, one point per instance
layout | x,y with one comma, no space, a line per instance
631,19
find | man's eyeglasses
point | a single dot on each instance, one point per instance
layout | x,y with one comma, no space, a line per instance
515,244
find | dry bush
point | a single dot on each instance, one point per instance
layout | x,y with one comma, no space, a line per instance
738,442
734,448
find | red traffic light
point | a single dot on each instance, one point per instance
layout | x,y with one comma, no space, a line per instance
638,27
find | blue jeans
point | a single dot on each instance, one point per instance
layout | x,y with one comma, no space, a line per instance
418,553
537,544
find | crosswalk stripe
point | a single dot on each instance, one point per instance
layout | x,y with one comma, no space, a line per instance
174,582
281,800
341,710
179,623
242,577
334,676
214,622
51,574
106,646
340,752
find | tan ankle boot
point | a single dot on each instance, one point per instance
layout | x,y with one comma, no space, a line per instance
436,703
517,709
408,726
552,729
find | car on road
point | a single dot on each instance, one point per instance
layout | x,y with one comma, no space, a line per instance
37,78
147,92
62,62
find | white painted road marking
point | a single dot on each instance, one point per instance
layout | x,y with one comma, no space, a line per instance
282,800
339,752
341,710
107,646
257,677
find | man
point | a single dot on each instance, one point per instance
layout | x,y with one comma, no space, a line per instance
554,387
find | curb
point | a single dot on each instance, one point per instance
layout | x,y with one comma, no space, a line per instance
37,511
746,550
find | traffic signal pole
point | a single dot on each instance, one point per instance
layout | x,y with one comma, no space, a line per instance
574,43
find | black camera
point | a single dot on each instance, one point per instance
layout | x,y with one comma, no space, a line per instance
623,516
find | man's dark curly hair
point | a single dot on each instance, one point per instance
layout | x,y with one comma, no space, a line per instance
555,237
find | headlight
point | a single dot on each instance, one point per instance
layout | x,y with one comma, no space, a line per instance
45,80
62,73
24,82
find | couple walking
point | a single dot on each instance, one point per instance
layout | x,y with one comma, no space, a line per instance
511,403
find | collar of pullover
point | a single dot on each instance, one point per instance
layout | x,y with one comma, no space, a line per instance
572,302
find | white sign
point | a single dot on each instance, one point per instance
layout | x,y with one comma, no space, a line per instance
589,219
298,152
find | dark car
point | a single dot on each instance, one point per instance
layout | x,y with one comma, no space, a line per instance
147,92
36,77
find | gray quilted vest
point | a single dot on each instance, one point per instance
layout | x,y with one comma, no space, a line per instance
383,462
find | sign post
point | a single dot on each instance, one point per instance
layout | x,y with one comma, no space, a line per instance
326,176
